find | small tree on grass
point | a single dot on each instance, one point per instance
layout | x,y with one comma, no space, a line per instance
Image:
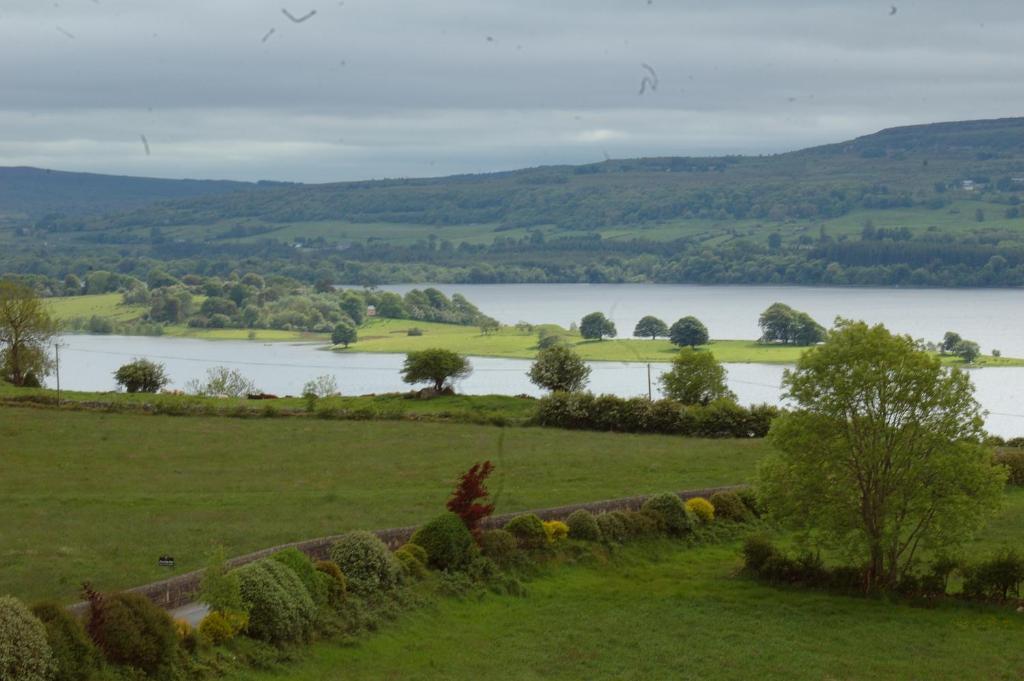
967,350
558,368
595,326
650,327
141,376
26,328
696,377
466,500
437,366
344,334
881,456
688,331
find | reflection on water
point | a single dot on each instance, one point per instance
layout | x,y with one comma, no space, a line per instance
88,363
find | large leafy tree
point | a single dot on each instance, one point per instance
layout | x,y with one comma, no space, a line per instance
650,326
436,366
26,328
781,323
558,368
595,326
344,334
688,331
881,457
696,377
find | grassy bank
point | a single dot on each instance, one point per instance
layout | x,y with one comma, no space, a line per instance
101,496
665,612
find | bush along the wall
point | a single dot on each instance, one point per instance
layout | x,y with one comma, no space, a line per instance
673,514
75,658
24,651
316,585
528,530
582,525
280,609
367,563
729,506
585,411
447,542
131,631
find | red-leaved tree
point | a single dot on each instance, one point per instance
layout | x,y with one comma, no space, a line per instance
466,500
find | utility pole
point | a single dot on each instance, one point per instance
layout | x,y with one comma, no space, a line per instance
56,354
650,395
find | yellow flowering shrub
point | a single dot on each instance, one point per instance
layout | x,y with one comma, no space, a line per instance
556,530
701,508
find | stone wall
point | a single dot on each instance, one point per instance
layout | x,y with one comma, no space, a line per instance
178,591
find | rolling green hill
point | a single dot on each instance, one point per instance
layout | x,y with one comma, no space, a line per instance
922,205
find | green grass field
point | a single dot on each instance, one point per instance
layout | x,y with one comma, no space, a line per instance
88,496
666,612
108,305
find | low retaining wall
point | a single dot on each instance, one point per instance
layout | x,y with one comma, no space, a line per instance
178,591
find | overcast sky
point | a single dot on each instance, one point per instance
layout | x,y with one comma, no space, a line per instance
401,88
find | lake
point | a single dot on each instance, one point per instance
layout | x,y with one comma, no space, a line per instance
990,317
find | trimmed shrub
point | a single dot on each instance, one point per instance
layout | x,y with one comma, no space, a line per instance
446,540
75,658
752,501
303,568
280,609
728,506
583,526
528,531
367,563
130,630
499,545
675,518
413,558
613,528
24,652
702,509
1014,462
556,530
337,585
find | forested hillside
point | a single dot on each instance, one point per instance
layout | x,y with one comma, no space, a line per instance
920,205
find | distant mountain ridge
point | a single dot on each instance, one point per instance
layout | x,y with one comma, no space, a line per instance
39,190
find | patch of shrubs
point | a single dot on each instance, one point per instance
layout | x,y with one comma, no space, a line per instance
316,583
582,525
729,506
673,514
528,530
499,545
366,562
586,411
556,531
613,527
75,658
337,585
447,542
702,509
997,579
131,631
1013,459
413,558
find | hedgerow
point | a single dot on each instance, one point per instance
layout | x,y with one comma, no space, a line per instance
75,658
528,530
130,630
304,569
675,517
585,411
583,526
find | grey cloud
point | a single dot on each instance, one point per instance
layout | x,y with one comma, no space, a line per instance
423,92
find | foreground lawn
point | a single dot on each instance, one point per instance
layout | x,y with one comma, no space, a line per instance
98,496
667,612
